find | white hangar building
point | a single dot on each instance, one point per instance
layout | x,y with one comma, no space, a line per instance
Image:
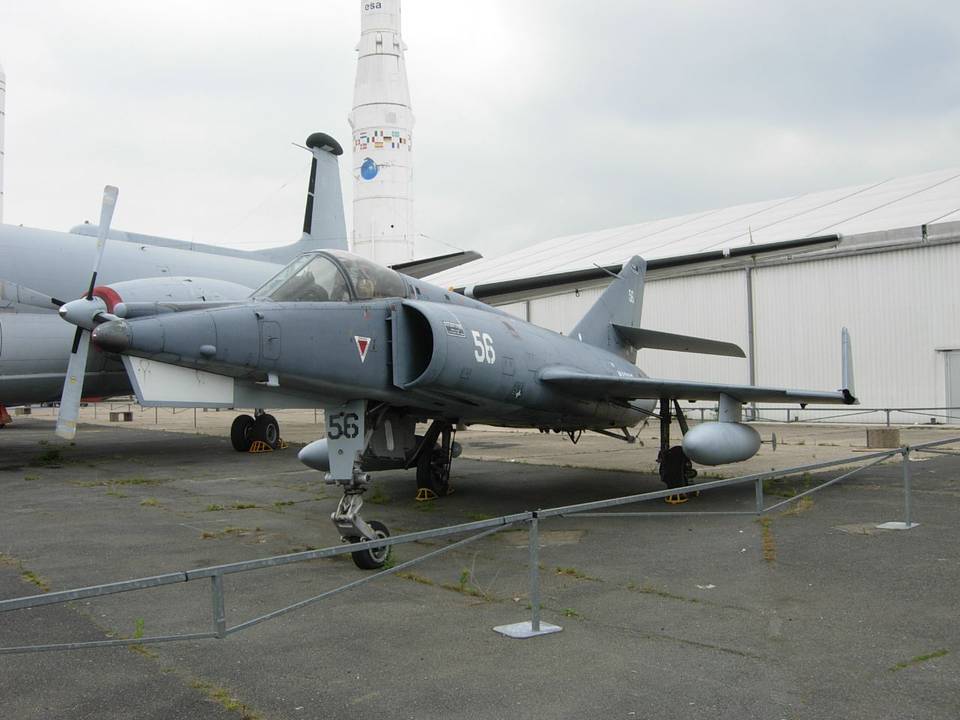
780,278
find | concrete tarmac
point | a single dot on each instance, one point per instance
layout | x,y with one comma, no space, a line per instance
810,613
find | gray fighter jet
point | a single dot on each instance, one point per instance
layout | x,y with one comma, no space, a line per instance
381,351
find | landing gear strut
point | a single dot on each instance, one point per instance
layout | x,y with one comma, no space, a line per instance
433,461
676,470
347,438
354,529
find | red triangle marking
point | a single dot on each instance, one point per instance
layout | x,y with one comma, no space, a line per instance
363,344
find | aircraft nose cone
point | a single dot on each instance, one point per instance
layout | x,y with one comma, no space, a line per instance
113,336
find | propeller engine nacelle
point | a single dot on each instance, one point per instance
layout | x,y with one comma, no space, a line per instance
720,443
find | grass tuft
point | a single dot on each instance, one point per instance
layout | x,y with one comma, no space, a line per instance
767,542
378,496
919,659
574,573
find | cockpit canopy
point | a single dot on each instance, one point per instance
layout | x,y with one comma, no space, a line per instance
332,276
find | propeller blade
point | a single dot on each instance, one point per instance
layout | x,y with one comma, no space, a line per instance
73,382
73,386
106,217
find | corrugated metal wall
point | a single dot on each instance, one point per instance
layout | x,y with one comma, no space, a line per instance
901,306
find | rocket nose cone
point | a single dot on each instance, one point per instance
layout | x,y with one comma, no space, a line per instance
113,336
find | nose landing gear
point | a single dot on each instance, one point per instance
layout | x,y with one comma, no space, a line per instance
347,438
355,529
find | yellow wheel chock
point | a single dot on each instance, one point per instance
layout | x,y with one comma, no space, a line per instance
678,499
259,446
425,495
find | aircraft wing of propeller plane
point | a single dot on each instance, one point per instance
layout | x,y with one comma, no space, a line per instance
382,352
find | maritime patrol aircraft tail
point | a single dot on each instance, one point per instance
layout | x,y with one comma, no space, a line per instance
613,323
324,227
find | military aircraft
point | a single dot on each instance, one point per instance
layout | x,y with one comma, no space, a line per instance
40,266
381,351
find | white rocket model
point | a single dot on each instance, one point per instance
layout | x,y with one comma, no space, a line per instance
382,125
3,121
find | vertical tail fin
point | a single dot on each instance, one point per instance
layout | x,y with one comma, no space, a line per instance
621,304
324,227
323,219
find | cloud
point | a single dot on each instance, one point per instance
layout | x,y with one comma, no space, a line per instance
534,119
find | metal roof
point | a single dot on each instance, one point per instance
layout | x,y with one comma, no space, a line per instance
874,207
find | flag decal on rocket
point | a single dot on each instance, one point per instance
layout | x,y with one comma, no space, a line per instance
363,344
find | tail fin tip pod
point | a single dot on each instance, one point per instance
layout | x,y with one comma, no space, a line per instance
620,304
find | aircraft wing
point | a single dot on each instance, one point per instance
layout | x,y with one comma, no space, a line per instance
635,388
432,265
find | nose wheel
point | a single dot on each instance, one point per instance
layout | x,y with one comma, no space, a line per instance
373,558
354,529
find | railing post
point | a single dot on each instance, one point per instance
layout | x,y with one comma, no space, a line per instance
888,417
535,627
219,613
758,491
535,573
907,481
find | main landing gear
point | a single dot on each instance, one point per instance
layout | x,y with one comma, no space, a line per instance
261,427
676,470
434,459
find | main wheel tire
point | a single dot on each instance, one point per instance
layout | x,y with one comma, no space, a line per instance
433,473
267,429
674,465
241,433
374,558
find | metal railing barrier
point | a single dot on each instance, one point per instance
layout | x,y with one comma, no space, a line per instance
481,529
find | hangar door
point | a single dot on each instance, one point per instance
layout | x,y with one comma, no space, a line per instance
953,383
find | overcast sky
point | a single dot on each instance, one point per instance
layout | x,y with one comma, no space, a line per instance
534,119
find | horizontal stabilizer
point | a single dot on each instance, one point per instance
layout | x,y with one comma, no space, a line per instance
654,340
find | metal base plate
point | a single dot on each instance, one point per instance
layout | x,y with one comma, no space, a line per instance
523,630
896,526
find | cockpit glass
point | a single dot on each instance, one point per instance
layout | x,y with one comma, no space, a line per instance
370,280
313,278
318,277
